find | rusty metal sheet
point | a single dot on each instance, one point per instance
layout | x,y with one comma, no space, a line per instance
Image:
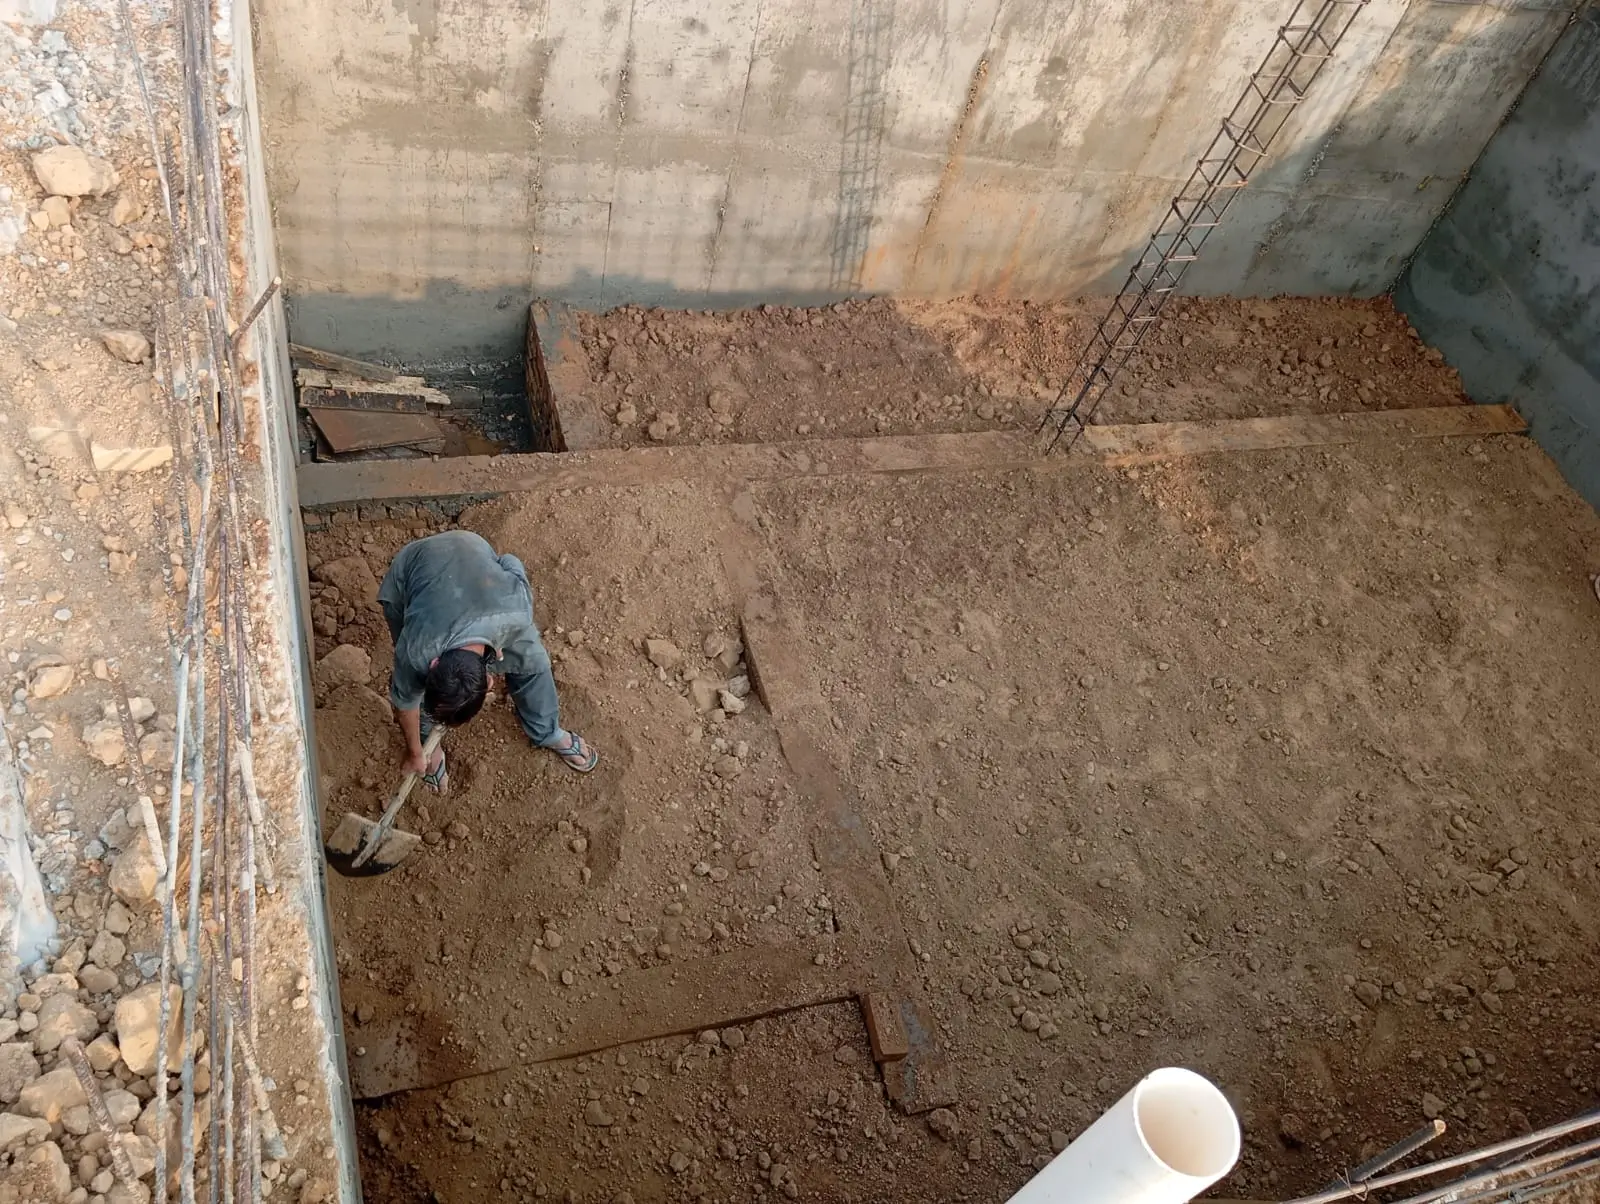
359,430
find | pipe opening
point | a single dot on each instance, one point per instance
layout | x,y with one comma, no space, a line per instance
1187,1124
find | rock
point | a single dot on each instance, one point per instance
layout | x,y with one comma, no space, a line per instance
61,1017
1484,884
50,1095
739,686
97,980
1504,980
663,654
135,1193
16,1131
703,694
137,1017
142,709
138,458
733,1038
595,1114
1369,993
352,577
105,743
663,426
140,1148
129,346
102,1053
1491,1003
627,415
721,403
125,210
156,748
124,1107
133,876
69,171
944,1125
846,1055
18,1068
727,768
346,665
731,704
46,1174
107,950
118,918
1046,983
51,682
1432,1106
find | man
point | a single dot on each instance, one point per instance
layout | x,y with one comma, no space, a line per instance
458,614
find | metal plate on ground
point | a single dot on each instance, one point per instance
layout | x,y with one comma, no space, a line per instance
358,430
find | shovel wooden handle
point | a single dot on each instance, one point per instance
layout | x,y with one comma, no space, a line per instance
386,820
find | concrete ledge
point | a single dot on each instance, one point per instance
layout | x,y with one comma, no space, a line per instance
335,485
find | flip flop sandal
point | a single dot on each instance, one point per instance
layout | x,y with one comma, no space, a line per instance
439,780
578,756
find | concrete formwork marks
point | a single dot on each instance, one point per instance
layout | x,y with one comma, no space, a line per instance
663,152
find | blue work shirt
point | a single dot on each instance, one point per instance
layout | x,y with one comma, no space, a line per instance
450,590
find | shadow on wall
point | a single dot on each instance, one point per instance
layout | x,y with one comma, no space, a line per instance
1508,283
1280,227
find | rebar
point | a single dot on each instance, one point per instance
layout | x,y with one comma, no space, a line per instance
1303,47
121,1164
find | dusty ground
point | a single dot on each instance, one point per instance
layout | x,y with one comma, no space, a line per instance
1275,765
879,367
81,580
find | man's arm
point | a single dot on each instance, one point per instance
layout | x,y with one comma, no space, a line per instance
411,727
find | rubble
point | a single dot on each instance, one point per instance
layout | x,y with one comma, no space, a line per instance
137,1017
67,171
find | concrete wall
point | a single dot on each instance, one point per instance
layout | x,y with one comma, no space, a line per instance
433,163
1508,284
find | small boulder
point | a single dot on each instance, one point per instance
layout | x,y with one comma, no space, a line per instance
69,171
156,748
102,1053
129,346
703,694
51,682
663,654
61,1017
18,1068
105,743
137,1020
125,210
943,1123
50,1095
351,576
17,1131
108,950
45,1174
346,665
663,426
133,875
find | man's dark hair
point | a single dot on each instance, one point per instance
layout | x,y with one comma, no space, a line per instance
455,687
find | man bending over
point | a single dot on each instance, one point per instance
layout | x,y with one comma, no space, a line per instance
458,614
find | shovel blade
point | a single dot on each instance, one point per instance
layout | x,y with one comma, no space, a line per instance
351,836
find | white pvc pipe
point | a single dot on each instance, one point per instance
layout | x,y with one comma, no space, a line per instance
1165,1142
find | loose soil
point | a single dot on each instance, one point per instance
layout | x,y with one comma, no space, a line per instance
878,367
1274,765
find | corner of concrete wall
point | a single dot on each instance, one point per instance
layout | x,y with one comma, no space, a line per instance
1507,284
284,605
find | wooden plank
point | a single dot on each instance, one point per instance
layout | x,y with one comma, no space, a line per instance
340,363
410,1052
338,484
361,399
885,1032
356,430
1148,442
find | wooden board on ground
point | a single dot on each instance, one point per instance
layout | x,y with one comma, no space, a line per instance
357,430
340,363
986,451
402,386
362,399
1143,443
663,1001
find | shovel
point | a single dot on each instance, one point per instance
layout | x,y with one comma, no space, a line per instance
360,848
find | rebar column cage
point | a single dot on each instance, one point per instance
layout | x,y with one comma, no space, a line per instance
1302,48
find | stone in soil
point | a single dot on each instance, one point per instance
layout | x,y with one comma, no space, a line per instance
352,577
68,171
137,1017
18,1068
105,742
663,654
129,346
943,1123
17,1131
50,1095
133,876
62,1017
51,682
346,665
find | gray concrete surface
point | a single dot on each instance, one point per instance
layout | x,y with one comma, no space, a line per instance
435,163
1508,283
